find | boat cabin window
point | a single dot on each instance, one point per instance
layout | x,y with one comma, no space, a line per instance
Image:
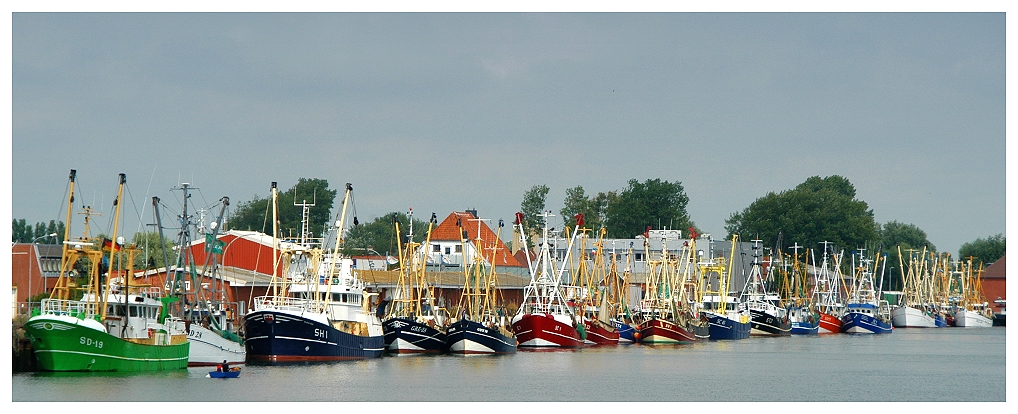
134,310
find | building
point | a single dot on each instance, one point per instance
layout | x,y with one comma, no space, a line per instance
34,270
995,283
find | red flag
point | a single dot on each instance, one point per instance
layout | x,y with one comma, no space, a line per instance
519,218
579,219
692,233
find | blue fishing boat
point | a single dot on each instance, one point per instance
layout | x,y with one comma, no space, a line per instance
865,313
318,311
483,327
725,318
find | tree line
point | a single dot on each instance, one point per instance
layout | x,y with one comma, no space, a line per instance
817,210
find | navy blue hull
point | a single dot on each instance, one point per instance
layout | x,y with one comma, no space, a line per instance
469,337
281,337
805,328
403,335
764,323
724,328
626,332
854,322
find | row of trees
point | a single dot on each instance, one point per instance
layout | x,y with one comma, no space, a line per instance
817,210
624,214
26,233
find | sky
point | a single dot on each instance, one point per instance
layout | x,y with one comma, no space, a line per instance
445,112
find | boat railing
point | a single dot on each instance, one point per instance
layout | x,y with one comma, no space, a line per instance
286,303
66,307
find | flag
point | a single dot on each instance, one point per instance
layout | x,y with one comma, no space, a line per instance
579,219
213,244
108,244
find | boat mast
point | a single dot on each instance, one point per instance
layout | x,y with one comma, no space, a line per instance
62,288
113,246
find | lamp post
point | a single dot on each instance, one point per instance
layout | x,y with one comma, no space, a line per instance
30,267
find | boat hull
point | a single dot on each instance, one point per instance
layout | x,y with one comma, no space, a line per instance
999,319
660,331
274,336
723,328
829,323
227,374
469,337
600,334
909,317
968,319
859,323
805,328
64,343
765,324
209,348
406,336
627,333
542,330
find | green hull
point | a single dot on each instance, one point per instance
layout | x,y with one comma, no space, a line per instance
62,344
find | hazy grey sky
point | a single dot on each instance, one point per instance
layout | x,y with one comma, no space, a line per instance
445,112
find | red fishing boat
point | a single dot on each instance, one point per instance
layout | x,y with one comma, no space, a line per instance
662,331
544,319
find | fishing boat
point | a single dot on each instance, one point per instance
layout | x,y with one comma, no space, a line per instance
827,287
973,311
591,296
1000,318
727,320
865,312
112,327
618,299
915,310
795,299
412,324
482,327
318,310
544,319
660,308
202,302
767,317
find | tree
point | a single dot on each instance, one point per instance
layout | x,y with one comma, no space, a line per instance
380,235
894,234
654,203
594,209
986,250
532,207
151,256
819,209
22,232
254,214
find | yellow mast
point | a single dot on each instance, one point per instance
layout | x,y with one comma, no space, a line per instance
113,247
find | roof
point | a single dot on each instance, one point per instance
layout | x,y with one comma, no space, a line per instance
997,270
445,280
450,230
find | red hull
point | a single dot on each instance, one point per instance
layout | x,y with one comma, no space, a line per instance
544,331
598,334
829,324
662,331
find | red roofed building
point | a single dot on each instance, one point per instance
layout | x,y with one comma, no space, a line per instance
995,283
446,247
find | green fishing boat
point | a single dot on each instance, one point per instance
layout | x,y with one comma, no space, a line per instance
114,326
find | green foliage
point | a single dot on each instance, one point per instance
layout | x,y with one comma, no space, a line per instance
594,209
654,203
532,207
819,209
380,235
151,256
256,213
22,232
986,250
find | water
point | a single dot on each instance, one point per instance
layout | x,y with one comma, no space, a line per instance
946,364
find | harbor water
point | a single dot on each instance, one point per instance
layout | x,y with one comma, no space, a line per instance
944,364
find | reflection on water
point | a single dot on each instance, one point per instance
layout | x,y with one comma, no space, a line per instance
947,364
